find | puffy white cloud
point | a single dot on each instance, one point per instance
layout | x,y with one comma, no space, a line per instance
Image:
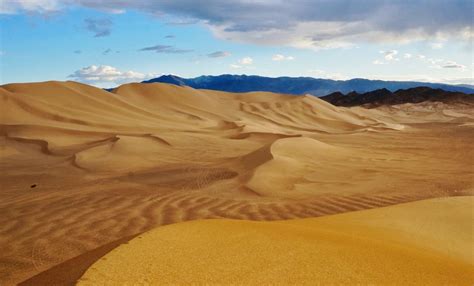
246,61
388,56
407,56
243,63
279,58
107,74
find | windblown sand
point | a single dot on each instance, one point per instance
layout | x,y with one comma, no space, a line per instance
379,246
83,169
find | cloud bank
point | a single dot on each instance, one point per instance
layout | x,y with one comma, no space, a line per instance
312,24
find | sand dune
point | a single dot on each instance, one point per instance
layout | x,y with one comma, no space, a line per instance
380,246
83,168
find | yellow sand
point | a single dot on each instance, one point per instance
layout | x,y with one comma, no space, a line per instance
106,166
421,243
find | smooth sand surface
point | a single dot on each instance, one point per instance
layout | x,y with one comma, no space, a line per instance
83,168
419,243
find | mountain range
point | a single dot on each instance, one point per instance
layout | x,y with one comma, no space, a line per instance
300,85
386,97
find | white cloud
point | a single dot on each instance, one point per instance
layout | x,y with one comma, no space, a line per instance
279,58
390,55
246,61
407,56
378,62
434,61
452,65
107,74
441,63
243,63
32,6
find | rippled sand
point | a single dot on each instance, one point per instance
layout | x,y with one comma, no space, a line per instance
84,170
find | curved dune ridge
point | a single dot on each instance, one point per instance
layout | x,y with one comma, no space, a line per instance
83,168
421,243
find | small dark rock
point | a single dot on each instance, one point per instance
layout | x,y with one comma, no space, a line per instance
33,186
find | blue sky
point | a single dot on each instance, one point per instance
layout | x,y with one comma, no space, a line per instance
107,43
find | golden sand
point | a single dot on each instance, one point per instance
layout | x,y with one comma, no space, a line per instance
420,243
83,169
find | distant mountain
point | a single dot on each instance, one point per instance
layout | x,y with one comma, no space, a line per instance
386,97
298,85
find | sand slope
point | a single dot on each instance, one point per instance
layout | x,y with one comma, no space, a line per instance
82,168
422,243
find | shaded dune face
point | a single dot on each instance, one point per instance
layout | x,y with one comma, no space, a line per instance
109,165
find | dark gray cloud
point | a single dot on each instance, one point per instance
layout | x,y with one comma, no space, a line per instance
264,14
100,27
107,51
219,54
166,49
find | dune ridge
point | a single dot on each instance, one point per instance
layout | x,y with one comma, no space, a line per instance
83,167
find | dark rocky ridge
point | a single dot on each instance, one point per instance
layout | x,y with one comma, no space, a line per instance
385,97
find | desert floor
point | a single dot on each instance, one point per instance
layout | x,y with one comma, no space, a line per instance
84,170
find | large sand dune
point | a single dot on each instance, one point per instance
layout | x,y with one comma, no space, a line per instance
83,168
380,246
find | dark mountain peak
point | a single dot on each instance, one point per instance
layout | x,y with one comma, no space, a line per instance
353,93
172,79
386,97
380,91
